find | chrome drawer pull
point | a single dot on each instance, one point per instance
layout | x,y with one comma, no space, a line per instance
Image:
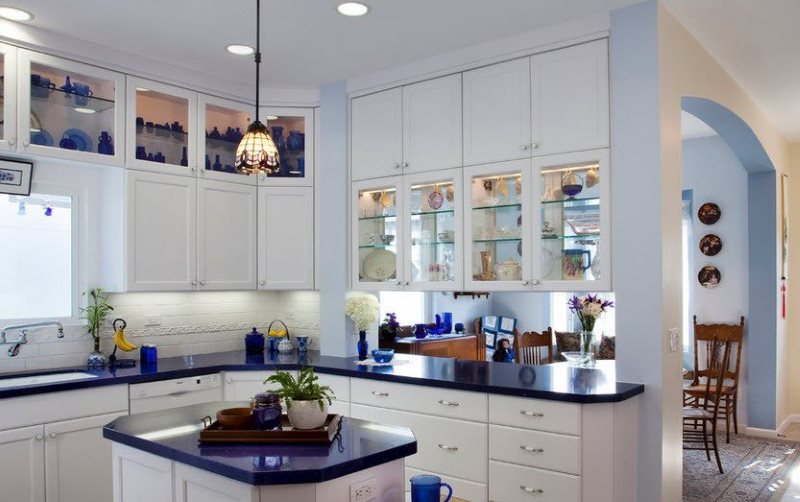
448,448
532,450
531,414
448,403
380,394
528,489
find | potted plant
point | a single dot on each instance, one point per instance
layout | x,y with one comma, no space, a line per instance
95,313
389,329
306,400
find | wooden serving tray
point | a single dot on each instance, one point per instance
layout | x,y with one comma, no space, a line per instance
215,433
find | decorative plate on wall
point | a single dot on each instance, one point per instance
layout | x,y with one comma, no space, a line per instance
710,245
709,213
709,276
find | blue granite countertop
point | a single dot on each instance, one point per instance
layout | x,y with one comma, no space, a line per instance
174,433
559,382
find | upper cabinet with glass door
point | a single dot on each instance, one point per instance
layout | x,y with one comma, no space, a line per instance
70,110
222,124
573,221
161,130
8,101
292,130
377,230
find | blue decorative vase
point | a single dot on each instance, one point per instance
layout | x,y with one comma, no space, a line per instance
217,164
362,346
294,141
141,152
420,331
159,157
96,360
184,158
208,163
447,322
277,137
105,146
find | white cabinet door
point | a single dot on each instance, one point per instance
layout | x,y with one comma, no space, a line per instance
226,235
195,485
570,99
8,133
432,124
242,386
376,142
497,112
78,460
286,238
161,237
22,472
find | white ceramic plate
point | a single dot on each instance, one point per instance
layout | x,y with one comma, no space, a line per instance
380,264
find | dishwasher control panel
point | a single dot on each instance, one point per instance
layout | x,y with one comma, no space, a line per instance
175,387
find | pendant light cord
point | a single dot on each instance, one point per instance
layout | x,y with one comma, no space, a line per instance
258,53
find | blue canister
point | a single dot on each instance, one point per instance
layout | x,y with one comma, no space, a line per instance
254,342
148,353
302,342
267,411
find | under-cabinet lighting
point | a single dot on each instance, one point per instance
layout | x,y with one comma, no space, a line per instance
14,14
352,9
426,185
272,117
142,89
84,110
370,192
240,49
576,167
496,177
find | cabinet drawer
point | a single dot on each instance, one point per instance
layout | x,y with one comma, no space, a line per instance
514,483
538,414
339,384
452,447
429,400
535,449
468,491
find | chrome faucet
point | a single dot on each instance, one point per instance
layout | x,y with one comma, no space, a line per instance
23,337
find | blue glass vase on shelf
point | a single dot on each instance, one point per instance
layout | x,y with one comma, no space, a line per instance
362,346
277,137
217,164
294,141
184,157
104,145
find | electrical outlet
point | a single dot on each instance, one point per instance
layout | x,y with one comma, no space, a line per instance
364,491
674,339
152,320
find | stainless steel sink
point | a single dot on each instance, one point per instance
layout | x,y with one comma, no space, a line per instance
23,381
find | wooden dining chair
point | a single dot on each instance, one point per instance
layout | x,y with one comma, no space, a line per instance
708,412
534,348
705,361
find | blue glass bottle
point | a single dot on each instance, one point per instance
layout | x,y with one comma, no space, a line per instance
217,164
362,346
254,342
184,158
267,411
104,145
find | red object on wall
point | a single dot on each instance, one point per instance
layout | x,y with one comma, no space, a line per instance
783,297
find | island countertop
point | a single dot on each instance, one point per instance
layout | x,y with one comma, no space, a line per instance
558,382
173,434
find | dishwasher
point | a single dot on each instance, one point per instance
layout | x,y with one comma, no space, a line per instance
166,394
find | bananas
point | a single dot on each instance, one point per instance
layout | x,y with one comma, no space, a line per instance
121,342
277,332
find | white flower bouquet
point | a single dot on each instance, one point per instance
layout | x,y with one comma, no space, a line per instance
363,310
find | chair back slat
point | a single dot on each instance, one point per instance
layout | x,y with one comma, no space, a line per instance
706,360
534,348
714,384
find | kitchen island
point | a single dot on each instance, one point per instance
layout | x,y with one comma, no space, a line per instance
157,455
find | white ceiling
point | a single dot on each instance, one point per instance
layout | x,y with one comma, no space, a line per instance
757,42
305,42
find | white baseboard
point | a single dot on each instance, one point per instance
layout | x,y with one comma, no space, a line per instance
789,420
761,433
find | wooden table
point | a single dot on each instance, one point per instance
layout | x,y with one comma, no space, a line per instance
458,346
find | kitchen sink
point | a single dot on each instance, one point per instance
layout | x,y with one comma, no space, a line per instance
23,381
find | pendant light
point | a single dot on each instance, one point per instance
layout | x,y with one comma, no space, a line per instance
257,153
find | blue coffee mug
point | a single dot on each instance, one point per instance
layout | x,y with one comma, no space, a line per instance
428,488
302,343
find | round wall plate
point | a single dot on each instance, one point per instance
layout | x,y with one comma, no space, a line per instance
709,276
710,245
709,213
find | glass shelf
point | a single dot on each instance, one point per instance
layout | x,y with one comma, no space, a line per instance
566,237
60,97
163,135
384,217
377,246
441,211
564,201
433,243
503,239
517,205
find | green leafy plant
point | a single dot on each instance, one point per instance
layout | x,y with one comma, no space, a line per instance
305,387
95,313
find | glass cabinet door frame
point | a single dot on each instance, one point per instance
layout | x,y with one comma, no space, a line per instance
25,59
430,178
9,140
202,172
522,166
192,137
307,114
602,157
392,182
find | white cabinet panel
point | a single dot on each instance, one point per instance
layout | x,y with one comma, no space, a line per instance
546,450
242,386
376,147
497,112
226,235
161,235
194,485
340,385
432,124
570,99
514,483
420,399
22,472
78,460
286,238
141,476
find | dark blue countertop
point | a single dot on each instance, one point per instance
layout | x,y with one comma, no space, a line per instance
174,433
558,382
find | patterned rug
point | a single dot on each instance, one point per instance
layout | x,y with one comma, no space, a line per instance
754,468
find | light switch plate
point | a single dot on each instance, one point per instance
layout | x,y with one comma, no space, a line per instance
674,339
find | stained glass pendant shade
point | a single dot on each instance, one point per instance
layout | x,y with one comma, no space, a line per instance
257,153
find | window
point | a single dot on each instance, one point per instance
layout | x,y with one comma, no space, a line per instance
409,307
686,265
562,318
36,277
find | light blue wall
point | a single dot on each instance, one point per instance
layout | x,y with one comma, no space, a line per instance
532,310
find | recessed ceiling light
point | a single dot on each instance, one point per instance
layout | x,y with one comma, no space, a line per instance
240,50
272,117
352,9
84,110
14,14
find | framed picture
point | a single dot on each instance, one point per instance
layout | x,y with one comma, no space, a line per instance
15,177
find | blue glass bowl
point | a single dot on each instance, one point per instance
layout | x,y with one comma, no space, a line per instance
383,355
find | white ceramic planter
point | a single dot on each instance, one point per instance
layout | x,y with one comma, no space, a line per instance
307,415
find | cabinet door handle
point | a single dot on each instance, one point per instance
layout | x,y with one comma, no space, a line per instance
531,450
398,282
405,164
261,283
194,169
38,437
194,283
202,283
524,148
448,403
380,394
535,282
229,380
25,142
11,141
407,283
534,414
52,435
526,283
397,165
448,448
534,146
528,489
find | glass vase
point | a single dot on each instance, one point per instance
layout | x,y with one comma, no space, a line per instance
588,346
363,346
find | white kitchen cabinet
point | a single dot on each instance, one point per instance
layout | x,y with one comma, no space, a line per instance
376,134
161,232
432,125
140,476
78,460
497,112
195,485
22,473
226,235
285,238
8,86
570,102
243,385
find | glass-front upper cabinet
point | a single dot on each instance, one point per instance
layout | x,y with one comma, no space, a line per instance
292,130
572,222
222,124
161,130
377,230
70,110
433,226
497,237
8,97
